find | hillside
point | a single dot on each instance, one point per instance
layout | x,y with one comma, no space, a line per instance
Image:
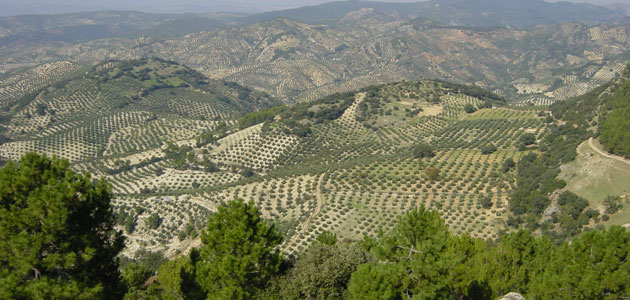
46,204
352,163
75,27
482,13
600,168
446,149
175,145
298,62
171,146
86,111
371,119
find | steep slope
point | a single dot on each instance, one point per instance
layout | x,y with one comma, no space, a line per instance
174,146
301,62
79,118
514,13
16,85
75,27
343,163
599,176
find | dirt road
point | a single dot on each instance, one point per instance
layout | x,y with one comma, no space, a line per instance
603,153
320,203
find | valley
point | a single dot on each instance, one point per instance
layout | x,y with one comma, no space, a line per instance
171,146
445,149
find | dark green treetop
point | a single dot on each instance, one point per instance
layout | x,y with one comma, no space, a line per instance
239,254
57,237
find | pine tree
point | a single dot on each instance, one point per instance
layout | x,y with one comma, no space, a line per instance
322,272
416,244
57,233
377,281
238,254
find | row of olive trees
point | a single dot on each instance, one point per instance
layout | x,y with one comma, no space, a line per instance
58,242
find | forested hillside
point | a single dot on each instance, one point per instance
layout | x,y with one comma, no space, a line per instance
615,126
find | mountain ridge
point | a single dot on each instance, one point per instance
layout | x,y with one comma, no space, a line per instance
514,13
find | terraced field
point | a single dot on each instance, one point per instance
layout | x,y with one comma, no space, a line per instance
353,178
17,85
170,143
134,123
369,178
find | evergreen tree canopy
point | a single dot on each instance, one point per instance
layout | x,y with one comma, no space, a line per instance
469,108
429,263
423,150
238,254
615,128
377,281
57,233
322,272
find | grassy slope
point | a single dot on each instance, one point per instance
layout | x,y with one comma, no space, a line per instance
594,177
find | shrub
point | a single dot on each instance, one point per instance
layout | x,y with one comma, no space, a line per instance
488,149
469,108
433,173
423,150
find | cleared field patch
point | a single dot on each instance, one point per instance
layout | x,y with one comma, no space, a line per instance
431,110
594,177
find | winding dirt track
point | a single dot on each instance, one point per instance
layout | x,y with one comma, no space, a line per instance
318,208
603,153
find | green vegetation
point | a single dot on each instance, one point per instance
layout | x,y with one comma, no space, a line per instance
615,126
265,115
469,108
423,150
58,233
238,259
507,165
488,149
612,204
153,221
433,173
534,181
238,253
134,276
420,258
537,175
301,116
349,164
400,190
321,272
572,215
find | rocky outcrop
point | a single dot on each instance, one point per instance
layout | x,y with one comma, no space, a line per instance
513,296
